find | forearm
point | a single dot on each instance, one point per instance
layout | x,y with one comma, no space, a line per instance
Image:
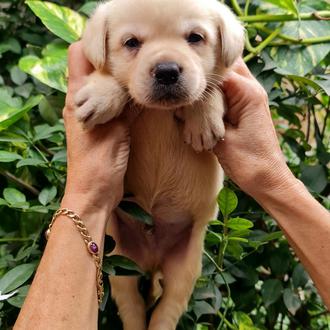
306,224
63,294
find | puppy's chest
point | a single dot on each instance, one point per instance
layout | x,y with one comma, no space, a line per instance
165,172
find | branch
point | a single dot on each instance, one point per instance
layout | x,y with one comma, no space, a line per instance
318,15
262,45
292,40
236,7
20,182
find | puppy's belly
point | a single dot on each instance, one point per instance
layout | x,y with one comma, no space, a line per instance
164,174
169,180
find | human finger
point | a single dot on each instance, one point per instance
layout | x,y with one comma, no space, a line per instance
78,63
241,68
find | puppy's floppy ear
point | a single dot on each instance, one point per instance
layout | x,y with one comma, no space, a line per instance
231,34
95,37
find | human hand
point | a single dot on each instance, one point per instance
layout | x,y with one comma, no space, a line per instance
97,158
250,154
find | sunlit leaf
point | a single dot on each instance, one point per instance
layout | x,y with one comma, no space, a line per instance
10,115
62,21
301,59
51,69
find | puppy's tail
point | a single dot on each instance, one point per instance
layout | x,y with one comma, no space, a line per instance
156,288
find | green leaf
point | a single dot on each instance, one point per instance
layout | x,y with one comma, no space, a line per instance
271,291
88,8
264,237
45,131
239,224
224,278
298,59
19,298
315,84
314,177
11,115
120,265
202,308
136,212
227,201
60,157
39,209
62,21
8,157
13,196
17,76
16,277
299,277
48,111
51,69
30,162
24,90
291,301
238,239
289,5
47,195
7,101
234,248
241,318
3,202
10,45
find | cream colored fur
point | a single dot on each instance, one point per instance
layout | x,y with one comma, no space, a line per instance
170,172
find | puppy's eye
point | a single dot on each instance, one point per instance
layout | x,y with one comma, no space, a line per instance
195,38
132,43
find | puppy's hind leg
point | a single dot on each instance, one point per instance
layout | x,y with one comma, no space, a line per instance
181,269
130,303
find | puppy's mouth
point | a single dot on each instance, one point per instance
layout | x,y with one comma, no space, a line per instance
169,96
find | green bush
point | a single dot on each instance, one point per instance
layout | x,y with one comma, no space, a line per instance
251,278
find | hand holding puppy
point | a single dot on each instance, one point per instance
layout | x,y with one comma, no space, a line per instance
250,154
97,159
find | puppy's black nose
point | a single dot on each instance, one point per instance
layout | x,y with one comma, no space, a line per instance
167,73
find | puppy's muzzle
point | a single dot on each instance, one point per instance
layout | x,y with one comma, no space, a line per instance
168,86
167,73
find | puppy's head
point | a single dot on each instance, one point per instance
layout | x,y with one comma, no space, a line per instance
166,53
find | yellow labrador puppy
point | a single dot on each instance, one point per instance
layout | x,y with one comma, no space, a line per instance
165,59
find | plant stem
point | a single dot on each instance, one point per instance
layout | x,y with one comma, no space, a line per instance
226,284
317,15
15,239
20,182
236,7
226,321
262,45
306,41
224,243
246,8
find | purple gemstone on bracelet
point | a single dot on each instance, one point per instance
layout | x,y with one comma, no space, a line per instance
93,248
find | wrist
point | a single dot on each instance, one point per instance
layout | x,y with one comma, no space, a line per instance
271,180
94,214
287,192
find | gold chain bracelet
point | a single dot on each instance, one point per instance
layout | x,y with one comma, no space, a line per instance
92,247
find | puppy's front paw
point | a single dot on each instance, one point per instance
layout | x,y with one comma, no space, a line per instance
203,133
99,101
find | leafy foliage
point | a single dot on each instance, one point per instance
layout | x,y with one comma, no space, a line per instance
251,278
